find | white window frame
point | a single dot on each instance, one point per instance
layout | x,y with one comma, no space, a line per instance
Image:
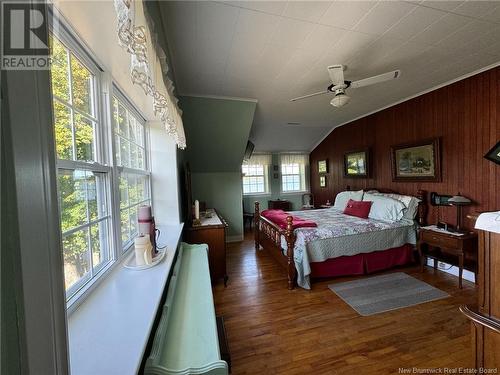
105,90
266,180
99,165
302,179
119,170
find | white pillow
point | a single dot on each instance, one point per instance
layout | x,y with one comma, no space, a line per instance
384,208
411,203
343,197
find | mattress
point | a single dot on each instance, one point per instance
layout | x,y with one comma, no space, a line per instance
342,235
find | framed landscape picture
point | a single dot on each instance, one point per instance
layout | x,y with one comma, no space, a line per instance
417,161
323,166
356,163
494,154
322,181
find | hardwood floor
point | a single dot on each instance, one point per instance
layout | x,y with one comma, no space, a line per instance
272,330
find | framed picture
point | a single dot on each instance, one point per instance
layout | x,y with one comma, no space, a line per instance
322,181
356,163
275,168
494,154
276,175
323,166
417,161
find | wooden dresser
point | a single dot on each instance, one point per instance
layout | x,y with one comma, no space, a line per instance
279,204
486,316
212,231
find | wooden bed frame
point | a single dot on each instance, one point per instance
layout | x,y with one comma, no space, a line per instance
268,235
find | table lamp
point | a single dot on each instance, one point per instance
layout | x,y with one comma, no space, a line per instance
459,201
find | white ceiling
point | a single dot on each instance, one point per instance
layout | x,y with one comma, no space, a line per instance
276,50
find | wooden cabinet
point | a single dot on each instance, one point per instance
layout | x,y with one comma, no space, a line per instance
279,204
486,317
212,231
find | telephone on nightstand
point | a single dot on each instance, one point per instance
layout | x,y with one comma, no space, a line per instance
440,200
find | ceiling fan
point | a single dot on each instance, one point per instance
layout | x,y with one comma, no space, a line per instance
339,85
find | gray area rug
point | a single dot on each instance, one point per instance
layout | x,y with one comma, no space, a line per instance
393,291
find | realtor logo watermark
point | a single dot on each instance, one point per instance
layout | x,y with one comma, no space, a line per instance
24,43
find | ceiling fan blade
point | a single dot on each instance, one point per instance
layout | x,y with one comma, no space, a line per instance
336,73
309,95
376,79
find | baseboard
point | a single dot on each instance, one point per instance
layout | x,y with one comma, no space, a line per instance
467,275
237,238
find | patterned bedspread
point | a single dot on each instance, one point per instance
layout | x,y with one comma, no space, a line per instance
340,235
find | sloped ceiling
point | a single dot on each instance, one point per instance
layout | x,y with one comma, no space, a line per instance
217,131
274,51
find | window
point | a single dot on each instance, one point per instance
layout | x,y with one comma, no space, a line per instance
293,172
134,177
83,178
254,179
255,174
291,177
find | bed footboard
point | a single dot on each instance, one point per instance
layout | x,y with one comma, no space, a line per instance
269,235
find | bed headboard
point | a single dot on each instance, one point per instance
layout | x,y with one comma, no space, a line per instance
420,194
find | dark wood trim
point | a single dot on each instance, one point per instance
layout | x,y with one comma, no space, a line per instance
437,160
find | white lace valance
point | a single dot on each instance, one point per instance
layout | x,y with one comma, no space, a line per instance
259,159
302,159
148,65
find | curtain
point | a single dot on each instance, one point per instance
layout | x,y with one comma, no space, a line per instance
302,159
148,66
259,159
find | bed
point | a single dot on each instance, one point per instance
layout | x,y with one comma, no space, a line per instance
340,244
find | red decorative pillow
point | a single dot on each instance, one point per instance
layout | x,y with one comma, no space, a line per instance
358,208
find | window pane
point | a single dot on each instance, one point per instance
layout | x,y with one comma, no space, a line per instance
132,189
84,138
125,152
99,239
133,221
81,86
131,128
76,257
125,225
123,192
133,156
122,121
63,132
59,69
140,158
116,126
96,195
72,198
140,134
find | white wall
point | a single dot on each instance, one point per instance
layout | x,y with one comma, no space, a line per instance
164,175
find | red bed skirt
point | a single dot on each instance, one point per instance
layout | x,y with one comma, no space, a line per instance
361,264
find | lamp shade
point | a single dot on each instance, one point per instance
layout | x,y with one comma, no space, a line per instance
340,100
459,200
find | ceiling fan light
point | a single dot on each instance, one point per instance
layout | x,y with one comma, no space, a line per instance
340,100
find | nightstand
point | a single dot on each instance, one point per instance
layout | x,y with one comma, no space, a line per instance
460,251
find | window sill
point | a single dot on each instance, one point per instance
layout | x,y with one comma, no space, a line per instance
108,332
294,192
256,195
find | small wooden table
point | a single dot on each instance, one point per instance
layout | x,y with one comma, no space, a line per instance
460,251
212,231
279,204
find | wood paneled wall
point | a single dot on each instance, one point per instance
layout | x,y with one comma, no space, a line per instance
466,115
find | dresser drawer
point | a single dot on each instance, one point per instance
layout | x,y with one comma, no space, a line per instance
439,240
